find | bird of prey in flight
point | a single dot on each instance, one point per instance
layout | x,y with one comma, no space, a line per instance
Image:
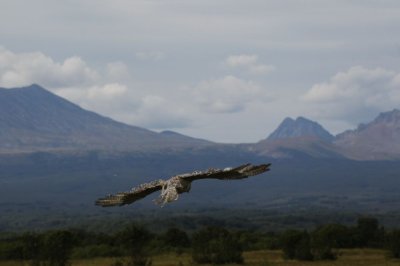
171,188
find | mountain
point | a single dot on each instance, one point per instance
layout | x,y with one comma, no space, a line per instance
301,127
34,119
377,140
297,138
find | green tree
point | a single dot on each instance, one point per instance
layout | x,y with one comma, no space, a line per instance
296,245
368,233
56,248
176,239
11,250
393,243
216,245
324,240
135,239
31,248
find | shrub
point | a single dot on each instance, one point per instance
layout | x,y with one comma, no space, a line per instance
57,247
325,239
135,239
176,239
92,251
393,243
368,233
216,246
296,245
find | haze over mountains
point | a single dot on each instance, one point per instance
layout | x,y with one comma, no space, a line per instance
33,119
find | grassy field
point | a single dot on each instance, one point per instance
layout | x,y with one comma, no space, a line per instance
361,257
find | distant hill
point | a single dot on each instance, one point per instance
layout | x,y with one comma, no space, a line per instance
301,127
377,140
34,119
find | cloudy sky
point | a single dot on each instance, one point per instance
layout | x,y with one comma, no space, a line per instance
223,70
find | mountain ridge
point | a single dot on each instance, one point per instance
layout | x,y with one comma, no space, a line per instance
68,166
378,139
33,119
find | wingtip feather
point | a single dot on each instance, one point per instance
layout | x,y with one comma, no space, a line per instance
110,201
253,170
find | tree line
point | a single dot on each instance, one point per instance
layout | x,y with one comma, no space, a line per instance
213,245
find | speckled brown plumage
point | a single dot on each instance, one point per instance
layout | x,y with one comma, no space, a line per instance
171,188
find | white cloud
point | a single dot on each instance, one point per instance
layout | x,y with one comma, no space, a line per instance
157,112
355,94
111,99
249,63
226,95
35,67
101,92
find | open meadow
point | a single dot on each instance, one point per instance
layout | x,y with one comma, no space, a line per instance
361,257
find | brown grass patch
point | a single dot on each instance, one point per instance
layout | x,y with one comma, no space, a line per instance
348,257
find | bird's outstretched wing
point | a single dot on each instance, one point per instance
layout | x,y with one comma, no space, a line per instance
128,197
179,184
239,172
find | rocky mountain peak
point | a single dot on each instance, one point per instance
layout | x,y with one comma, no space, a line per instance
388,117
376,139
301,127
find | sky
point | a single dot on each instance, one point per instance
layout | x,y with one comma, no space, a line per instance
222,70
